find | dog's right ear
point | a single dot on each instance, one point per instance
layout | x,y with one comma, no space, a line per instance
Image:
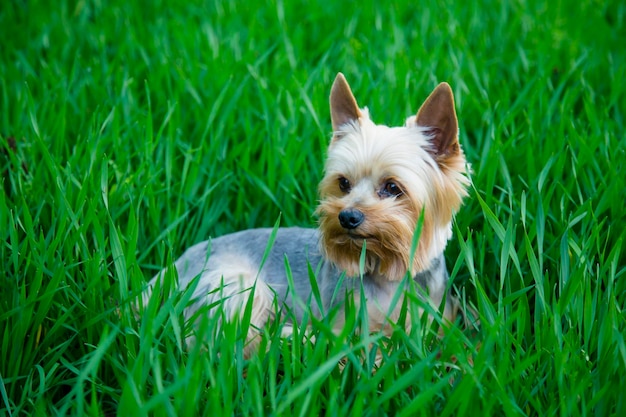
437,114
343,107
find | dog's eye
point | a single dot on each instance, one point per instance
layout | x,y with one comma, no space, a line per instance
390,189
344,184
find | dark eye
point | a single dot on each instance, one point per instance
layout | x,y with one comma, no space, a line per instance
390,189
344,184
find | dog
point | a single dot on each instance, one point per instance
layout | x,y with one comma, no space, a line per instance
381,184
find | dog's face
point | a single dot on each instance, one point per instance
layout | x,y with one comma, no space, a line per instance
379,180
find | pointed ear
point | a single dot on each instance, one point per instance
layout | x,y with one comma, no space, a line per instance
438,115
343,107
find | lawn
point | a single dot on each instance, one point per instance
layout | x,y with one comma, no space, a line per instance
130,130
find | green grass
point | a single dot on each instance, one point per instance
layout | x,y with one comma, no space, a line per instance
143,127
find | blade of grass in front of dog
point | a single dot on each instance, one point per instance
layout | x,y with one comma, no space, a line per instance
315,289
407,283
362,258
270,244
363,314
417,233
297,301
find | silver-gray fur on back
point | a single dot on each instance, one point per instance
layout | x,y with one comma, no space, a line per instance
235,260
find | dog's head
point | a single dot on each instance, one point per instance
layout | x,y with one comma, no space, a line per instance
379,180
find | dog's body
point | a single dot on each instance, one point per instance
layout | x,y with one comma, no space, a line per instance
230,267
378,183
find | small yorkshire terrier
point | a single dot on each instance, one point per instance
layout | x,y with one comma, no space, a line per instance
380,182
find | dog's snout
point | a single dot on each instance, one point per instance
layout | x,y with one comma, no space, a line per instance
351,218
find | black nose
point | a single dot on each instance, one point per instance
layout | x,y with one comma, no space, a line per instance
351,218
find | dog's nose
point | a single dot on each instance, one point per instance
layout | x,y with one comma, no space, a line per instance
351,218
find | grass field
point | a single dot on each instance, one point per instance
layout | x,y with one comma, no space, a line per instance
130,130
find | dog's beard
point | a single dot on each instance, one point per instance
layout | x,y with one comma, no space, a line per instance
388,235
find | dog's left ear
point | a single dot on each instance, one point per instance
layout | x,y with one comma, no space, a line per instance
437,114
